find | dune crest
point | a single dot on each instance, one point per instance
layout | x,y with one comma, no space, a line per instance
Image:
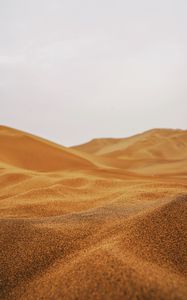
26,151
157,151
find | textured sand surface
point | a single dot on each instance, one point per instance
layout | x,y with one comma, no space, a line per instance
103,220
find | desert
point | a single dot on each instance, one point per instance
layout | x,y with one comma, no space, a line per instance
101,220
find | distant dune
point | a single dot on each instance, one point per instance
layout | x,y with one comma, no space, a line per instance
30,152
102,220
155,151
168,143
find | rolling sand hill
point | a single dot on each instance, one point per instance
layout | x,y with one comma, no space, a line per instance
92,222
157,151
26,151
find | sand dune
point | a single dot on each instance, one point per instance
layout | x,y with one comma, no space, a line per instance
92,222
166,143
158,151
26,151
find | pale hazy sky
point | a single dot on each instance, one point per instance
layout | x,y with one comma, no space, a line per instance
74,70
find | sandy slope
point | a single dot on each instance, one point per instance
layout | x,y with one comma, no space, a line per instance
96,225
158,151
26,151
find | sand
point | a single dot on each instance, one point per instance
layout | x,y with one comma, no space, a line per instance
103,220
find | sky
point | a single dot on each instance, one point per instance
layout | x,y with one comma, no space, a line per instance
71,71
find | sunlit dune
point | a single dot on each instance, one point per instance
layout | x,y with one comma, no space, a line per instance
102,220
158,151
30,152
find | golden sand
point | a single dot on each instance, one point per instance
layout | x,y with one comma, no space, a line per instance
103,220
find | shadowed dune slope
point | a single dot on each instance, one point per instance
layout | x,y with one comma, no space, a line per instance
84,257
26,151
160,235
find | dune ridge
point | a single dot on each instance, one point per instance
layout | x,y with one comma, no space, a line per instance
105,220
26,151
157,151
